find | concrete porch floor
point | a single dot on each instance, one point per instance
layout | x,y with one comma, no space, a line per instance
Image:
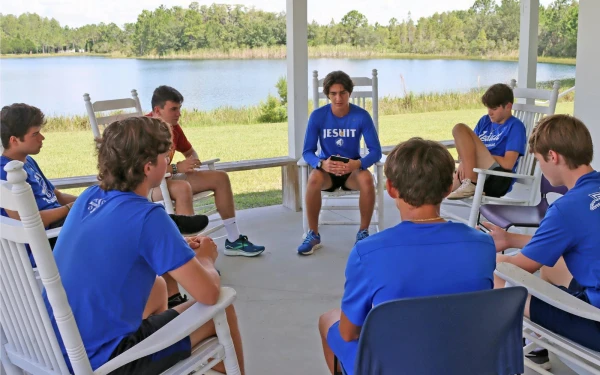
280,295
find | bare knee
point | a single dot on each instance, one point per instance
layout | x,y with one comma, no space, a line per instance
460,129
315,180
327,320
222,177
365,181
180,189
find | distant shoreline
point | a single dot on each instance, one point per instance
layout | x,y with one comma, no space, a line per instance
278,53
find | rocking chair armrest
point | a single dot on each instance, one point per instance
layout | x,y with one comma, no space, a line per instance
180,327
53,233
503,174
301,162
546,292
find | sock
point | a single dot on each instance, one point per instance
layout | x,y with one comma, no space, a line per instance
233,233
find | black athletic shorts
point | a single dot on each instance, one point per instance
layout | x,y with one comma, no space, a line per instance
338,182
160,361
497,186
581,330
56,224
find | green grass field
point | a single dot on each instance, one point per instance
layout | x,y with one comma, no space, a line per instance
72,153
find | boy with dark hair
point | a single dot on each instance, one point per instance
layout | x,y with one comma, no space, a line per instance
338,128
496,143
120,301
566,252
21,135
422,256
186,181
21,126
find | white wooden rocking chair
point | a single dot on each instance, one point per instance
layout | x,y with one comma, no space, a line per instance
28,344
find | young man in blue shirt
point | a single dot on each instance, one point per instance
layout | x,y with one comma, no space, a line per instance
496,143
119,300
21,134
423,255
566,246
338,128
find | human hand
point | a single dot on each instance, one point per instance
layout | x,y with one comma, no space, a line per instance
204,247
188,165
500,236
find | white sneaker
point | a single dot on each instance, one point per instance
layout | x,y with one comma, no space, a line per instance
465,190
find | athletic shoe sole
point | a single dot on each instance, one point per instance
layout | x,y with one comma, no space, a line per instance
312,250
234,253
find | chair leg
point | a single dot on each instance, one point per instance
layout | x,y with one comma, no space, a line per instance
379,198
304,174
232,366
476,200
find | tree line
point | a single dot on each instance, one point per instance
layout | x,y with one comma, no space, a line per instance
488,27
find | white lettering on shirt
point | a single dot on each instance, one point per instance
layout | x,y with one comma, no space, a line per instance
339,133
595,201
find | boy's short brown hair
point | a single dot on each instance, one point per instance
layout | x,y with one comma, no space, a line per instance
498,95
565,135
16,120
125,148
421,170
337,77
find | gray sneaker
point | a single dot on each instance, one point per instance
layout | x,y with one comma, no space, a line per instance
465,190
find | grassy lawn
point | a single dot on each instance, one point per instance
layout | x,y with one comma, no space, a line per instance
72,153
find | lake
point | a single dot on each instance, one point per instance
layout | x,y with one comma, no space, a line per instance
57,84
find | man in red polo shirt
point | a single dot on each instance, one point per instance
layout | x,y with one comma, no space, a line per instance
187,181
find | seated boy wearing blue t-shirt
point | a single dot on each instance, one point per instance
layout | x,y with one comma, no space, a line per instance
422,256
115,242
496,143
338,128
566,246
21,127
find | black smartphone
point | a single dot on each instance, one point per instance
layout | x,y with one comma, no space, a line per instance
339,158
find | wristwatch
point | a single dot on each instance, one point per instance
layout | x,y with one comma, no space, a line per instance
174,166
320,164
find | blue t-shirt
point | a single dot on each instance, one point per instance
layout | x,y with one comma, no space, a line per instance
43,190
571,229
341,136
413,260
500,138
110,250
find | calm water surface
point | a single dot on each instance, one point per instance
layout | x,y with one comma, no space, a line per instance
57,84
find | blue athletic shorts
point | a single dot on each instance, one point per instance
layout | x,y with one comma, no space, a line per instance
344,351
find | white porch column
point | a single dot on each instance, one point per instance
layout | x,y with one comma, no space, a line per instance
587,73
297,74
528,43
297,80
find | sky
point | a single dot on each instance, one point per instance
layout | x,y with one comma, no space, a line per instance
76,13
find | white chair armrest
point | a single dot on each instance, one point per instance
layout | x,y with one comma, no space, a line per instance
302,163
180,327
381,161
503,174
53,233
523,178
546,291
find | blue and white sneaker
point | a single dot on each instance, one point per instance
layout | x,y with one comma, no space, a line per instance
361,235
311,243
242,247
